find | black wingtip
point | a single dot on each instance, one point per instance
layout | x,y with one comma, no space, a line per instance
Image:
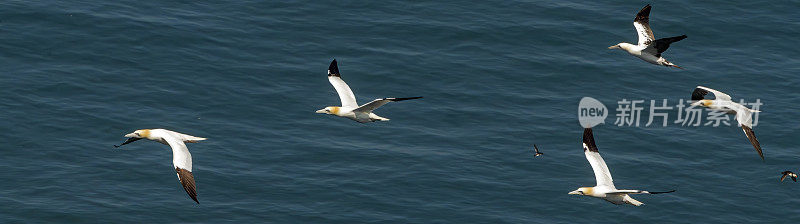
404,98
662,192
333,69
751,135
588,140
677,38
127,141
643,15
699,94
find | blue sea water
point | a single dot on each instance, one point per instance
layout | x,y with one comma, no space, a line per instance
497,77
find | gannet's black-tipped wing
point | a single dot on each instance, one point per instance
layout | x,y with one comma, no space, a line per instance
642,24
601,173
536,148
660,192
659,46
133,139
345,94
187,180
182,161
752,137
368,107
700,92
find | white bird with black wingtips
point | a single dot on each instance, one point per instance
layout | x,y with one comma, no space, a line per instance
181,158
350,108
722,102
649,49
605,188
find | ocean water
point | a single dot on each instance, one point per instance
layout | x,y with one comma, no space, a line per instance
497,77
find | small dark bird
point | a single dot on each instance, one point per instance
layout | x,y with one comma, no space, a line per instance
537,151
789,174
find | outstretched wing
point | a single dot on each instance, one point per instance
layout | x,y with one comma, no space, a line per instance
187,181
345,94
659,46
601,173
745,118
368,107
700,92
642,24
789,174
182,161
752,137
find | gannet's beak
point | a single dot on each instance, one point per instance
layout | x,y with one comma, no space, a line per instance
614,47
131,138
322,111
574,192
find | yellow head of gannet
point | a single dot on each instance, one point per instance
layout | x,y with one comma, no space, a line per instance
329,110
583,191
141,133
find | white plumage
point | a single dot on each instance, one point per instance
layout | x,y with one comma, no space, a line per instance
648,48
350,108
605,188
723,102
181,158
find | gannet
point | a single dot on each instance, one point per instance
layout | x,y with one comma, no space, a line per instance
181,158
350,108
789,174
649,49
605,185
722,102
537,151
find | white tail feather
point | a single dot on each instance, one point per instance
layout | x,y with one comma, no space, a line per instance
191,139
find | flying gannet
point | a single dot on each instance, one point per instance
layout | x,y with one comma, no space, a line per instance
350,108
789,174
649,49
722,102
181,158
605,185
537,151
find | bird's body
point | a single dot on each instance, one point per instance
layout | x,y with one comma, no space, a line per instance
648,49
722,102
350,109
605,188
181,158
